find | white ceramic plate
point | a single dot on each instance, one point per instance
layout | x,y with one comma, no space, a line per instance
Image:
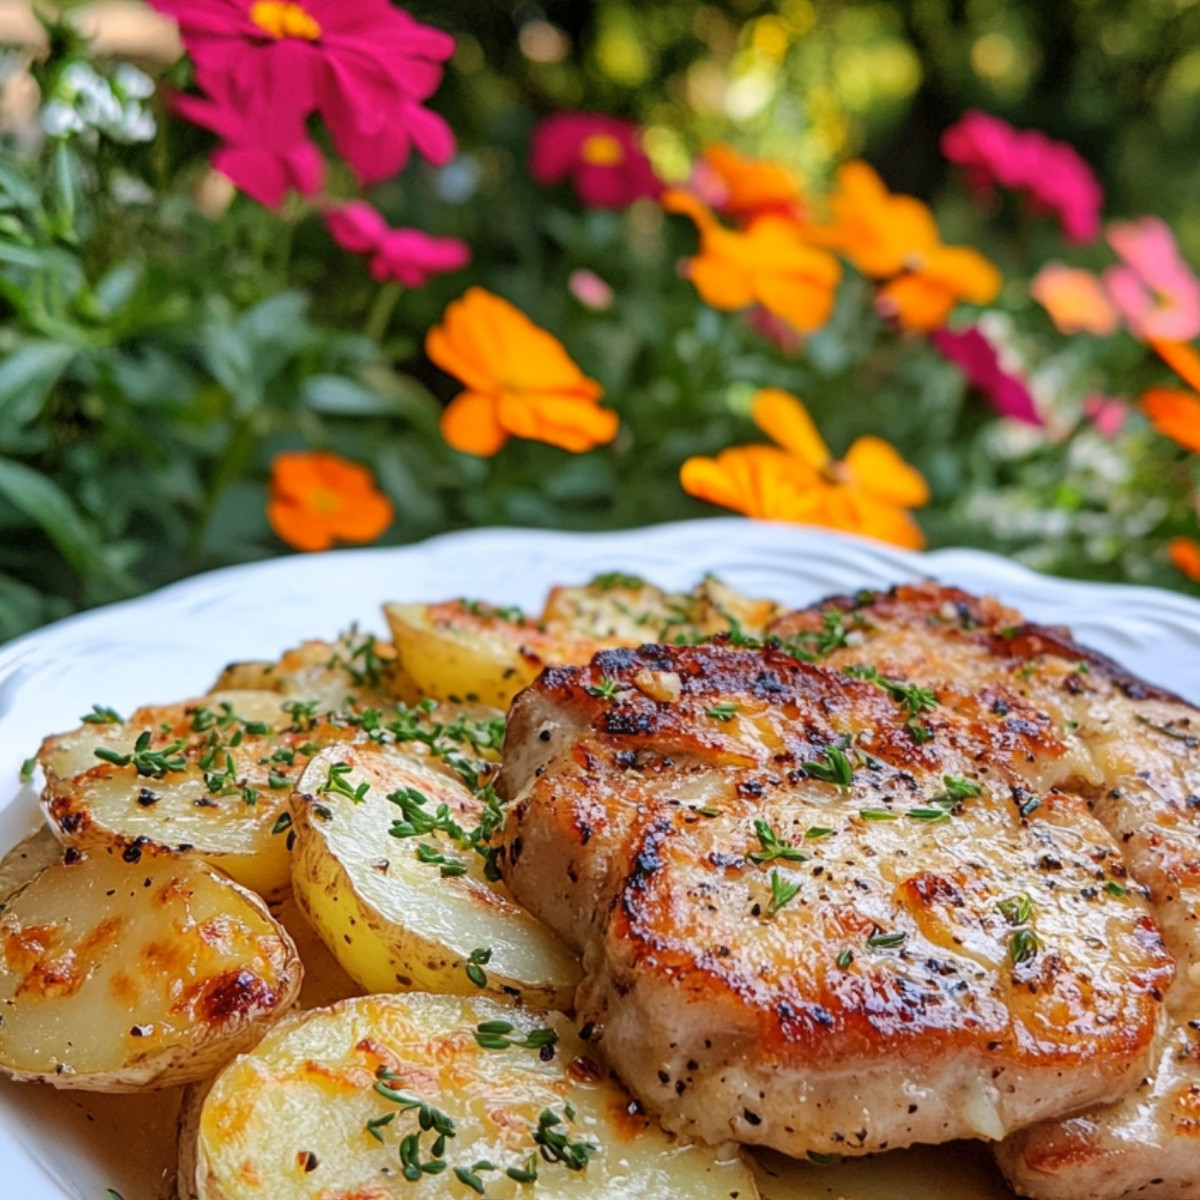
172,644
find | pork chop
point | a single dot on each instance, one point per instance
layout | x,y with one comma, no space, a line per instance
1137,748
823,913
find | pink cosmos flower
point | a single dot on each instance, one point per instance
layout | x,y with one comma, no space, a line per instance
267,159
976,357
1051,174
1107,414
1154,288
600,154
364,65
405,256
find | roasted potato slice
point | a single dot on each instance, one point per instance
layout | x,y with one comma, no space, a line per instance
414,911
466,652
27,858
351,672
620,609
210,776
118,976
395,1096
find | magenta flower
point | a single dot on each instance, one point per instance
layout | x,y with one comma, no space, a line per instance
1051,175
601,155
364,65
590,290
1107,414
976,357
405,256
267,159
1155,290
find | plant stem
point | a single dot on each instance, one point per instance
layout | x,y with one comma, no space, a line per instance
381,311
233,458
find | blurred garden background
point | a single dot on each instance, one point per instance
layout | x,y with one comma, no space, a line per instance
338,272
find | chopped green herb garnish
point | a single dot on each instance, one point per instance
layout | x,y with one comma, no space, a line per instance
152,763
782,893
430,854
476,961
336,783
525,1174
930,816
814,833
1024,945
1017,910
725,711
887,941
27,769
282,822
101,715
1113,888
557,1146
616,579
878,814
832,767
845,959
303,714
822,1160
773,846
377,1123
606,689
959,789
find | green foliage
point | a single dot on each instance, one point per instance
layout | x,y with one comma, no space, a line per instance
158,350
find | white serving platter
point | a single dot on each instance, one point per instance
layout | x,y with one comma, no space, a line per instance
172,644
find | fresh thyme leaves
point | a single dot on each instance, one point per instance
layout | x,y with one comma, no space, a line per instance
526,1174
845,958
961,789
723,712
1024,945
616,579
1116,889
282,822
303,714
336,783
930,816
430,854
911,696
878,814
815,833
495,1035
101,715
471,1177
773,847
476,961
416,820
152,763
27,769
782,893
357,654
512,614
832,767
377,1123
429,1118
556,1144
606,689
887,941
1016,910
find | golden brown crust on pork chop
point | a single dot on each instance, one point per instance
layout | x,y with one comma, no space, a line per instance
1138,750
928,943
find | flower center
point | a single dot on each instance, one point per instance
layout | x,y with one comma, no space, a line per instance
283,20
837,473
324,500
601,150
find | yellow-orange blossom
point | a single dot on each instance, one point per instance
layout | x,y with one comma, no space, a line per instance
520,381
798,480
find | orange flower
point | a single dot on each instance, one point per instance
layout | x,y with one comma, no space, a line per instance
520,381
767,263
798,480
1185,554
318,498
1173,412
752,186
1075,300
895,238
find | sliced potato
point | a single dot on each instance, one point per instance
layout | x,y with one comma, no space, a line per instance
325,980
27,858
116,976
469,653
333,1104
351,672
619,609
179,792
395,922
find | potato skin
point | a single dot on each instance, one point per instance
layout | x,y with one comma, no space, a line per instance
122,977
290,1119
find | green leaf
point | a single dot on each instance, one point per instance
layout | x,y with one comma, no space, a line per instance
17,188
26,376
48,506
338,396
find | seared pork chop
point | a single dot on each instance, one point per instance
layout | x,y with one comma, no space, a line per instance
823,913
1138,752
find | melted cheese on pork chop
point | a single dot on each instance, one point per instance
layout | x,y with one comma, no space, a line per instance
1138,752
816,919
